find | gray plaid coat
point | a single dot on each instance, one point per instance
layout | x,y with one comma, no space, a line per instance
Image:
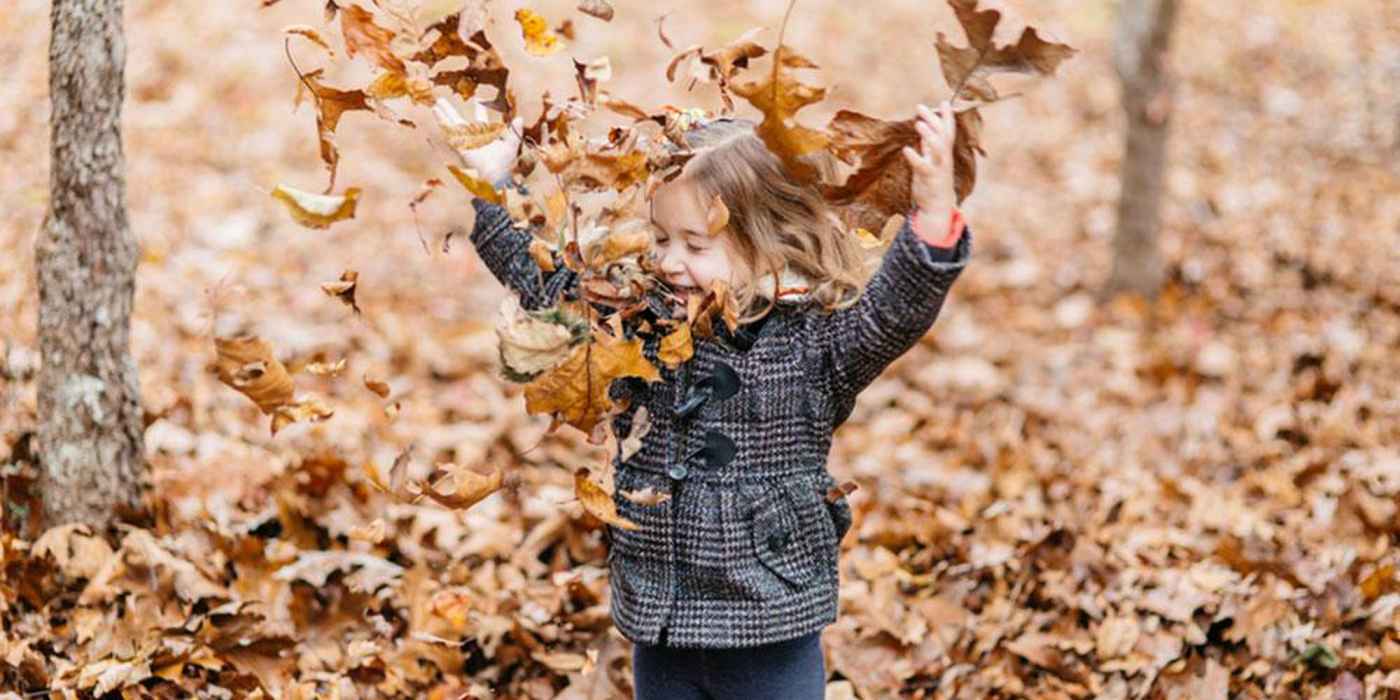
744,551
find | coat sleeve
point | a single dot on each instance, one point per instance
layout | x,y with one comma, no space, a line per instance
505,250
899,305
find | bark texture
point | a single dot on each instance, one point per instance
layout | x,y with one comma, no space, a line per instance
90,418
1140,55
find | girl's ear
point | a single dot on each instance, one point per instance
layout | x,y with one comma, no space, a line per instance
716,215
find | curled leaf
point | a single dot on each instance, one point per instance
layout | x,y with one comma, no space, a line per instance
317,210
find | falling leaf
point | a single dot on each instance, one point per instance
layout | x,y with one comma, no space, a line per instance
311,33
379,388
317,210
331,104
576,391
867,239
472,135
530,344
779,96
676,346
597,8
457,486
841,491
475,185
344,289
717,66
539,40
246,364
598,502
363,36
309,409
322,369
966,70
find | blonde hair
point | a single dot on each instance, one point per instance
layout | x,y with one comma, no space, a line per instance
774,220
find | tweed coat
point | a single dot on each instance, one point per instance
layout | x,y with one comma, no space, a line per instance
744,552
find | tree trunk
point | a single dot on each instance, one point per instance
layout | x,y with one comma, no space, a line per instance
1140,53
90,419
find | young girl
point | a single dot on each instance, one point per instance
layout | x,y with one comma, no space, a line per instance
726,586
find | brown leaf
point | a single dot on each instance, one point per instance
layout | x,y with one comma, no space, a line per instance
379,388
457,486
779,96
344,289
331,103
246,364
363,36
576,392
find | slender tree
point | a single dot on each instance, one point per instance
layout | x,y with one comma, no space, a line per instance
1140,57
90,418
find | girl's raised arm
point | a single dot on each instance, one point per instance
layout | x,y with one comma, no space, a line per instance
899,305
506,251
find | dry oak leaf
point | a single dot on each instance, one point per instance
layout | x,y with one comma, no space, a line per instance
317,210
246,364
539,39
576,392
457,486
779,96
717,66
331,103
598,502
966,70
363,36
530,345
344,289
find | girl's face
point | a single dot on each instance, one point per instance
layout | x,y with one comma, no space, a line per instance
691,259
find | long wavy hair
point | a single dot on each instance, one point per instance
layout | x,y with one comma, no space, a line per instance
774,220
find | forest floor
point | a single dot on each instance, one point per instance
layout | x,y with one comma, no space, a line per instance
1058,498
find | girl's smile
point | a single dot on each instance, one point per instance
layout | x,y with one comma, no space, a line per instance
689,257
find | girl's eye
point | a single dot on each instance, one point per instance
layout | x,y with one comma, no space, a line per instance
692,248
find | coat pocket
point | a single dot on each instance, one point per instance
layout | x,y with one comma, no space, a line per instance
782,537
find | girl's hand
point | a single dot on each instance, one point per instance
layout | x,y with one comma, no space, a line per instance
931,187
494,160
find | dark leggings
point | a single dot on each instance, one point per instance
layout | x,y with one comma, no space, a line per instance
793,669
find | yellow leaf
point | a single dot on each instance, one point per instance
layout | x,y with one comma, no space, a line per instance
317,210
677,346
576,392
540,40
475,185
598,502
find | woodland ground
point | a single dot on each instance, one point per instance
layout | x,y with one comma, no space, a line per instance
1057,498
